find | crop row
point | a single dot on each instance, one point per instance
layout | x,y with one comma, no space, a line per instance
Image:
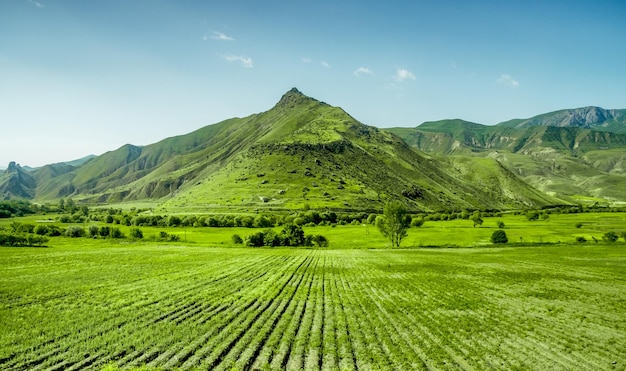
315,309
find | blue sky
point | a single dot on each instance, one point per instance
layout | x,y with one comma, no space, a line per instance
85,77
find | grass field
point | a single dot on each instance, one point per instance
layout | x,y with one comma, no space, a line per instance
127,305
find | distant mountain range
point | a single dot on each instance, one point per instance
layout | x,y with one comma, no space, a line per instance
575,154
301,151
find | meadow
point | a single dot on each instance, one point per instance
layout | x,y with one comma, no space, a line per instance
205,303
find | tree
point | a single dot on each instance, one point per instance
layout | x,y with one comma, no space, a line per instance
478,221
394,222
237,239
500,224
499,236
293,235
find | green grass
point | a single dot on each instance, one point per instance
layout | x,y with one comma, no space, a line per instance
93,304
559,228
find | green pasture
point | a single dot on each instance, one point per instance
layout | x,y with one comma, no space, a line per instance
558,228
98,304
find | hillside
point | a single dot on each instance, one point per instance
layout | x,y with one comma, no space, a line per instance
562,153
596,118
301,151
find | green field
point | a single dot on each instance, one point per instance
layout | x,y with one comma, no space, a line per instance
127,305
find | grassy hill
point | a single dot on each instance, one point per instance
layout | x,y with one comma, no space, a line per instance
301,151
569,161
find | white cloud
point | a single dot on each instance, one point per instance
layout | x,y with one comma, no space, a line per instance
219,36
305,60
508,80
325,64
245,61
403,74
35,3
362,71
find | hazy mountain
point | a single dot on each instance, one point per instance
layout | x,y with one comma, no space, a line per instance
596,118
16,182
301,151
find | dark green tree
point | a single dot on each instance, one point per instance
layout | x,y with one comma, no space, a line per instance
499,236
394,222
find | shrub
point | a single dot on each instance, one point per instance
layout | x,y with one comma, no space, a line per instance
255,239
136,233
41,230
499,236
610,236
417,222
116,233
104,231
271,238
75,231
578,225
320,240
500,224
93,231
174,221
532,215
237,239
581,239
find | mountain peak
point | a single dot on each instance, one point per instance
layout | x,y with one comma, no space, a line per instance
294,97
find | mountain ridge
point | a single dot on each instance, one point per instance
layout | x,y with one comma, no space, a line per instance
570,159
299,151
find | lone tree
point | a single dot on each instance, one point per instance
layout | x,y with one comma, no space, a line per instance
499,236
394,223
478,221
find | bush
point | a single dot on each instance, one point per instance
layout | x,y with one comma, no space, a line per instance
136,233
41,230
116,233
578,225
320,240
532,215
500,224
104,231
255,239
581,239
93,231
499,236
417,222
237,240
610,237
75,231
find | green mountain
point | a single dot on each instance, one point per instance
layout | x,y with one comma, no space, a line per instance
562,153
16,182
596,118
301,151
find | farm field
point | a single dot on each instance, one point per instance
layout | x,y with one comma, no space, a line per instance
129,305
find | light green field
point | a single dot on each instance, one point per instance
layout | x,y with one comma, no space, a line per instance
559,228
95,304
